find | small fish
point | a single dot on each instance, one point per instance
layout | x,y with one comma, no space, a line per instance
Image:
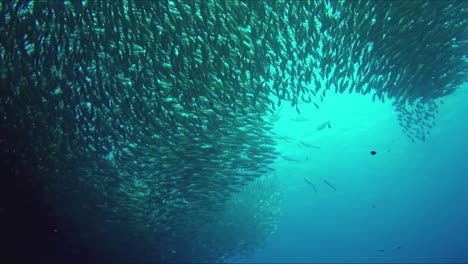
308,145
284,138
310,183
299,119
328,183
324,125
289,159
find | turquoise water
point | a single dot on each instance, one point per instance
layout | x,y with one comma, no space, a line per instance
407,203
244,131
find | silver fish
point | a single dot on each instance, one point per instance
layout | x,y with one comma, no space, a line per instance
310,183
328,183
324,125
308,145
289,159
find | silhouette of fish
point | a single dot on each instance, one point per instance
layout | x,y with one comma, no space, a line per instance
308,145
289,159
324,125
328,183
310,183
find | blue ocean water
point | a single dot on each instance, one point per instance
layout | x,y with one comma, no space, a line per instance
406,203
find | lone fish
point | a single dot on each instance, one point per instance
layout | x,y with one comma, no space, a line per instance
289,159
310,183
324,125
308,145
328,183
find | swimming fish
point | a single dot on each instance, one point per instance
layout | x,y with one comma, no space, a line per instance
299,119
308,145
328,183
284,138
289,159
310,183
324,125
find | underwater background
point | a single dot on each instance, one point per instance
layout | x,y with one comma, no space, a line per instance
406,204
233,131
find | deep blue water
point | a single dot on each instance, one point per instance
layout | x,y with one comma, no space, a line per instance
407,203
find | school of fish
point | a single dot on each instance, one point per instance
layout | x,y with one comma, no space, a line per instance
147,118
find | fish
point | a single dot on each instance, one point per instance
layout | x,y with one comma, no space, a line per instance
299,119
284,138
324,125
289,159
308,145
310,183
327,182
